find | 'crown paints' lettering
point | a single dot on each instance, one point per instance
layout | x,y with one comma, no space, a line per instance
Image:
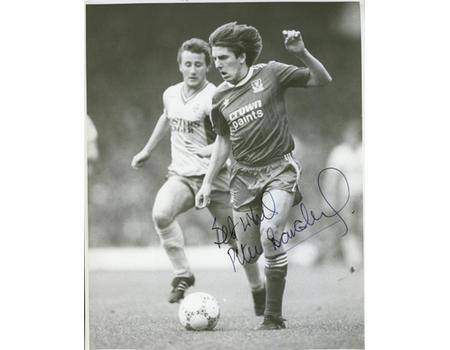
246,114
246,109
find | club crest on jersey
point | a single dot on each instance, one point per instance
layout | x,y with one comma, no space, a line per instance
257,85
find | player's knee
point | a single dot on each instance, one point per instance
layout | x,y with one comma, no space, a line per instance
270,237
270,245
161,219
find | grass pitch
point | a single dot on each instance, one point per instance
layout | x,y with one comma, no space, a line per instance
323,307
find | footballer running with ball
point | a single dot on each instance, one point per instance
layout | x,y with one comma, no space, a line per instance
187,107
249,116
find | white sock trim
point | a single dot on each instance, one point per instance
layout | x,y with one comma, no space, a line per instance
278,261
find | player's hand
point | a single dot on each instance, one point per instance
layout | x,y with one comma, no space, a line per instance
203,196
139,159
293,42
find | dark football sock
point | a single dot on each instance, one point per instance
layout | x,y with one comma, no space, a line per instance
275,271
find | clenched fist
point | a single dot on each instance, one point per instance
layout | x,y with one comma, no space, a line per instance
293,42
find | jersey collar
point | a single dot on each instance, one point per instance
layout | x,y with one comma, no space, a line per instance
187,99
243,81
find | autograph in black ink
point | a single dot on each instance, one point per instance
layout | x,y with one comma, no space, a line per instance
228,231
307,218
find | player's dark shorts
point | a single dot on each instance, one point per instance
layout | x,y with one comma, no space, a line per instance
247,184
220,193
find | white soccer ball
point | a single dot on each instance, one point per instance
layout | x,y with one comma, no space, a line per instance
199,311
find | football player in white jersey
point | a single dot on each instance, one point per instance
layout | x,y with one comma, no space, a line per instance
187,107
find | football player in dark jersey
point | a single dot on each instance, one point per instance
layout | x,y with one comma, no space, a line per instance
249,116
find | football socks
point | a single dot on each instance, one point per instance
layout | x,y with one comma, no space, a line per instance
276,271
172,241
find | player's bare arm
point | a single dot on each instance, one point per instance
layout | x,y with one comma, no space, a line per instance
160,130
220,153
294,43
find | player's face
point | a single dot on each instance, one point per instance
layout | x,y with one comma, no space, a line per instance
230,67
193,68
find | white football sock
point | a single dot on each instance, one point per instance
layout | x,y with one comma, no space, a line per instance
172,240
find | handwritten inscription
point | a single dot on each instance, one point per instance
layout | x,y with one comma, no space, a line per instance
227,231
308,218
301,226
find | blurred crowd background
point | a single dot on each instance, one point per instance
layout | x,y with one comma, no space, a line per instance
130,61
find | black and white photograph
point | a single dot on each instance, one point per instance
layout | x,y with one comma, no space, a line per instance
190,174
224,146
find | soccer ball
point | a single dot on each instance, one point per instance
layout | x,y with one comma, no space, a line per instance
199,311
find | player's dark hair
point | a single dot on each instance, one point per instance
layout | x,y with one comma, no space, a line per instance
239,38
195,45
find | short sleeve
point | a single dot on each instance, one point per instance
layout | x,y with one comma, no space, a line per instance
164,99
219,123
289,75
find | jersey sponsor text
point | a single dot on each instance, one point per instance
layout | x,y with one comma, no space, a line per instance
246,114
182,125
